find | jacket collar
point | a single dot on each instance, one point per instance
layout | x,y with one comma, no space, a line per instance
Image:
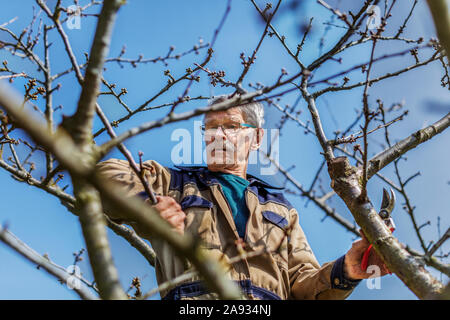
252,179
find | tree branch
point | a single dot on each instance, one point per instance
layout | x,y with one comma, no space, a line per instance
80,124
441,16
64,38
129,235
345,180
439,243
60,273
146,216
330,212
385,157
229,103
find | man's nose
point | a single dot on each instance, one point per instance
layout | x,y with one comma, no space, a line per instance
218,134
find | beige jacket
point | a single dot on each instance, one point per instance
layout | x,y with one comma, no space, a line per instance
287,270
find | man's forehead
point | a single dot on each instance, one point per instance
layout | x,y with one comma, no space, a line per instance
232,114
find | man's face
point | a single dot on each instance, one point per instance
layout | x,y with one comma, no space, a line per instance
227,150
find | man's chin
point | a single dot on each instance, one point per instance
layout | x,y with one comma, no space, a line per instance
215,164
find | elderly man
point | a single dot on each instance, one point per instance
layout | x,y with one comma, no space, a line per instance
230,211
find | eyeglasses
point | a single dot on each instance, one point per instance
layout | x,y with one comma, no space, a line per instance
228,128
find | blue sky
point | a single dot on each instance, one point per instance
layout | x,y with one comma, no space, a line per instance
150,28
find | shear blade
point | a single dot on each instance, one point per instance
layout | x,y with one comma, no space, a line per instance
388,202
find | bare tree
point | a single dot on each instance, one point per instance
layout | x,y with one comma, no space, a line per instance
71,146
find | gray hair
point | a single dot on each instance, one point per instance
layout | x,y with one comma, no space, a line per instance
253,112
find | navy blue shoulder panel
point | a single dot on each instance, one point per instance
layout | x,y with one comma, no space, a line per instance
181,177
176,180
265,196
256,180
202,178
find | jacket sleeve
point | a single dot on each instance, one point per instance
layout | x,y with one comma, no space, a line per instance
120,172
309,280
158,178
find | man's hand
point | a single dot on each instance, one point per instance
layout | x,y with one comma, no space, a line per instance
352,265
171,211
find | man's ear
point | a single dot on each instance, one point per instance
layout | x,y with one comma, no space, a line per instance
257,139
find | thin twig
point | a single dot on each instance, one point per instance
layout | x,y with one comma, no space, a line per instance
82,287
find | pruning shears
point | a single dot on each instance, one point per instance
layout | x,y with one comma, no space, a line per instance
387,206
